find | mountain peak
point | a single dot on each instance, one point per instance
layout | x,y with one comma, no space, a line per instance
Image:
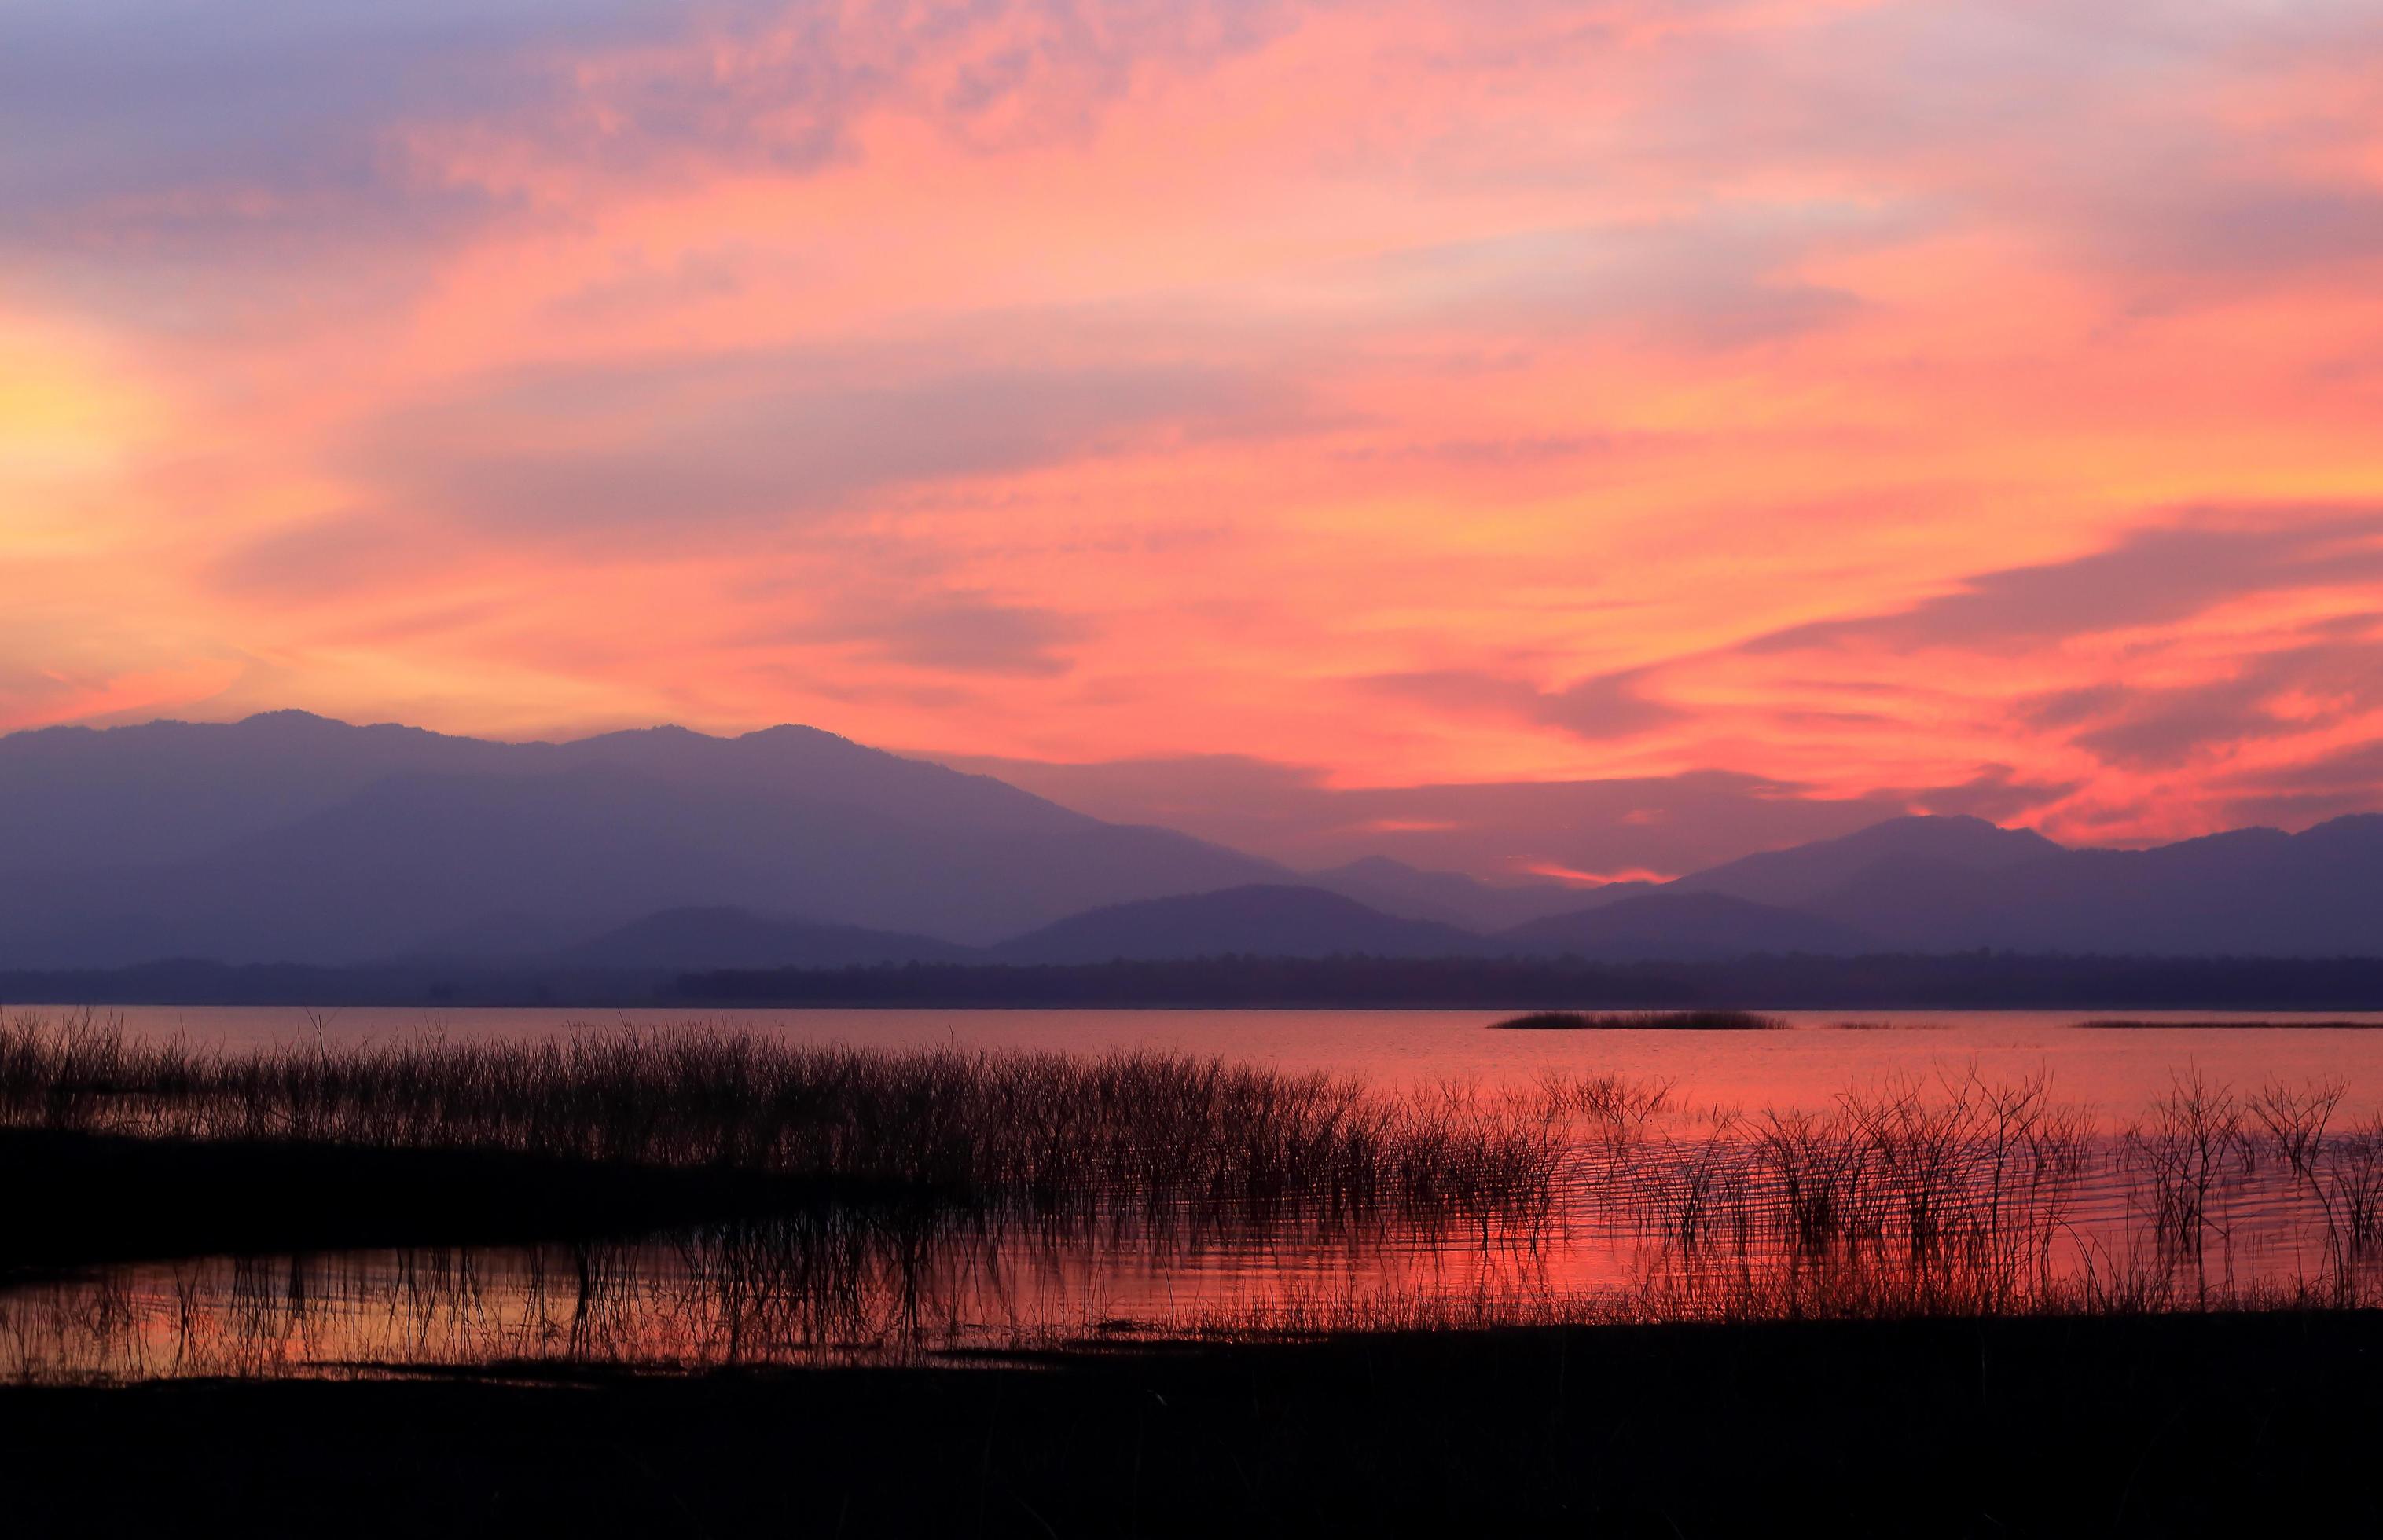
290,715
1933,833
1805,872
1372,866
798,732
292,721
1676,925
1453,898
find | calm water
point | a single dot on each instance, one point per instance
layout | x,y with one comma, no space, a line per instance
2115,1073
846,1285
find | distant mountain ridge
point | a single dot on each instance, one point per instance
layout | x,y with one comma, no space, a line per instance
289,838
1876,908
1808,873
1260,920
700,939
79,796
1683,927
2248,892
1449,897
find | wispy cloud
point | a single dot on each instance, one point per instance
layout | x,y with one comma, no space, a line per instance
2161,573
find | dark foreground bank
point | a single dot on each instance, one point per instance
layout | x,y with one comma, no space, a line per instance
2222,1423
76,1199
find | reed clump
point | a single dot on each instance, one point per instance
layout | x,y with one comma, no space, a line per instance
2295,1117
1615,1110
1044,1132
2197,1136
2349,1176
1960,1187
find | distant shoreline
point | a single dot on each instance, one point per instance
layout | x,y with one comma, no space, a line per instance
1957,981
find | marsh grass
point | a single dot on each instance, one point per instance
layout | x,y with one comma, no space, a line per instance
1959,1186
1038,1132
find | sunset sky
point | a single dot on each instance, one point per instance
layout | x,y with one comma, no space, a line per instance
1592,439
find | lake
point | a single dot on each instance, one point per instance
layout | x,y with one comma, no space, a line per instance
2115,1073
1706,1205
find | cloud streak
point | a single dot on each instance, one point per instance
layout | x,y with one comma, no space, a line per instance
2154,575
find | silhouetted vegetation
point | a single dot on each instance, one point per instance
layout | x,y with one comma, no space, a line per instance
1039,1132
699,1197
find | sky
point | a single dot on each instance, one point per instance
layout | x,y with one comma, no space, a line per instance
1588,439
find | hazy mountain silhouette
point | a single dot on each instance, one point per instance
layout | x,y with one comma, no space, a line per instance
503,937
696,937
165,791
74,798
292,838
1450,897
1948,846
1673,926
1942,885
2250,892
1265,919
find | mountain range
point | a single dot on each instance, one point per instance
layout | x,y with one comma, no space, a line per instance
290,838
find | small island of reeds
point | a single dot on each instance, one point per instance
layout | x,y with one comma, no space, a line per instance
1640,1021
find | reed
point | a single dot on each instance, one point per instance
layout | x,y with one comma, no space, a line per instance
2351,1185
2196,1135
2295,1117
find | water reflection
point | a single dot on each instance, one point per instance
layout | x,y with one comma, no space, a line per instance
1975,1199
